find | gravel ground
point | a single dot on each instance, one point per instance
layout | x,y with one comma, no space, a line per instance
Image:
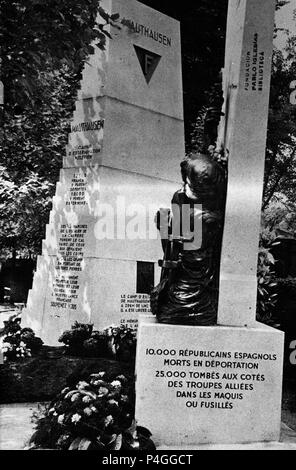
16,426
289,404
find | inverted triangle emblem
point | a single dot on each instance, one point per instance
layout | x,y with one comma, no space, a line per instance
148,61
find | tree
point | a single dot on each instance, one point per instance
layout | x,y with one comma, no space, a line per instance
203,32
44,46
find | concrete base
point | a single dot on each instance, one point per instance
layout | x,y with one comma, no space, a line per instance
16,426
209,385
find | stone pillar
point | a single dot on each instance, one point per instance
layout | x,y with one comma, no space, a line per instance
99,257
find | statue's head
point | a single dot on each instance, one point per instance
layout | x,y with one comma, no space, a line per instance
203,178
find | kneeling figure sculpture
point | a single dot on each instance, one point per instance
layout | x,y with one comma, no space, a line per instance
188,290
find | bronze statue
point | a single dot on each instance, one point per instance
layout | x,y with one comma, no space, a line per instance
188,290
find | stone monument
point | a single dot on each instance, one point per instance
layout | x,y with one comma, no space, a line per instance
99,257
222,384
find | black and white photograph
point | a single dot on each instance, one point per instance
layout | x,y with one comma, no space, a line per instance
147,229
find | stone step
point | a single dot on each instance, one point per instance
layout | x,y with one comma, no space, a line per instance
287,442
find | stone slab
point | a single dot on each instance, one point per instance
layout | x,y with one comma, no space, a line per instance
68,296
116,72
243,135
16,426
142,141
195,386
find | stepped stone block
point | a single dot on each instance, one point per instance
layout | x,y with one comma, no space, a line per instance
100,252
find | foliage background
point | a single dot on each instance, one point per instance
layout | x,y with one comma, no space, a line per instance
44,44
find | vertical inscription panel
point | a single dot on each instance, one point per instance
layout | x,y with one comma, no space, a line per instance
247,84
198,385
